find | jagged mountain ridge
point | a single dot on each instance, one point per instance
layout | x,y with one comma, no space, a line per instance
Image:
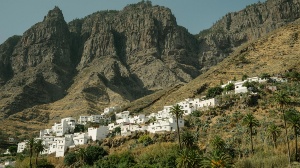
246,25
113,57
109,57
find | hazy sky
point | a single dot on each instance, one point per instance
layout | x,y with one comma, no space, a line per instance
16,16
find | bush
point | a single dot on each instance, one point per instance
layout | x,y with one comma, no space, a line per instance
213,92
70,159
94,153
122,160
146,140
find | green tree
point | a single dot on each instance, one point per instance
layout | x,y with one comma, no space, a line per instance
250,121
188,158
293,118
218,143
38,148
30,144
13,149
70,158
145,140
216,159
94,153
244,77
117,130
265,76
188,140
229,87
213,92
274,132
178,113
282,99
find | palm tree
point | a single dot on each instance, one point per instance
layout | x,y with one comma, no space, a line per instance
274,131
293,117
30,143
188,140
218,143
81,155
250,121
282,99
216,159
178,112
188,158
38,148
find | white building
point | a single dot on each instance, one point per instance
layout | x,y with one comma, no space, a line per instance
111,109
98,133
161,126
62,144
80,138
83,119
22,146
67,125
124,114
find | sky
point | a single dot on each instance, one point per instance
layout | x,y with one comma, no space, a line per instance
16,16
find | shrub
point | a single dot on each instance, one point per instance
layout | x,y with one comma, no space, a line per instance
70,158
94,153
213,92
146,140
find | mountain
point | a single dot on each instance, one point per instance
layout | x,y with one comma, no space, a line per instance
274,54
57,69
237,28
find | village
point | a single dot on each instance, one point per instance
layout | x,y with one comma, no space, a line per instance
65,134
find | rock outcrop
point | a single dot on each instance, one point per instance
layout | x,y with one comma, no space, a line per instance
246,25
113,57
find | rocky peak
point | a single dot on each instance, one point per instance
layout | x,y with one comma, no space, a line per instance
54,14
236,28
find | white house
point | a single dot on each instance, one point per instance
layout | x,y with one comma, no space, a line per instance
62,144
80,138
67,125
124,114
21,146
83,119
111,109
98,133
165,125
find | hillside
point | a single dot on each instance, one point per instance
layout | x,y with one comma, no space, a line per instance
276,53
57,69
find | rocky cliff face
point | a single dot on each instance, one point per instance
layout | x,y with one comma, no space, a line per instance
113,57
108,57
243,26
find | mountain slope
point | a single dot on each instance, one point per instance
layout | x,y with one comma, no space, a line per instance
108,58
276,53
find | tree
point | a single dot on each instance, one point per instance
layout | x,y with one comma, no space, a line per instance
282,99
229,87
218,143
38,148
265,76
188,158
216,159
13,149
70,158
244,77
213,92
117,130
178,113
94,153
274,132
293,117
250,121
30,144
188,140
